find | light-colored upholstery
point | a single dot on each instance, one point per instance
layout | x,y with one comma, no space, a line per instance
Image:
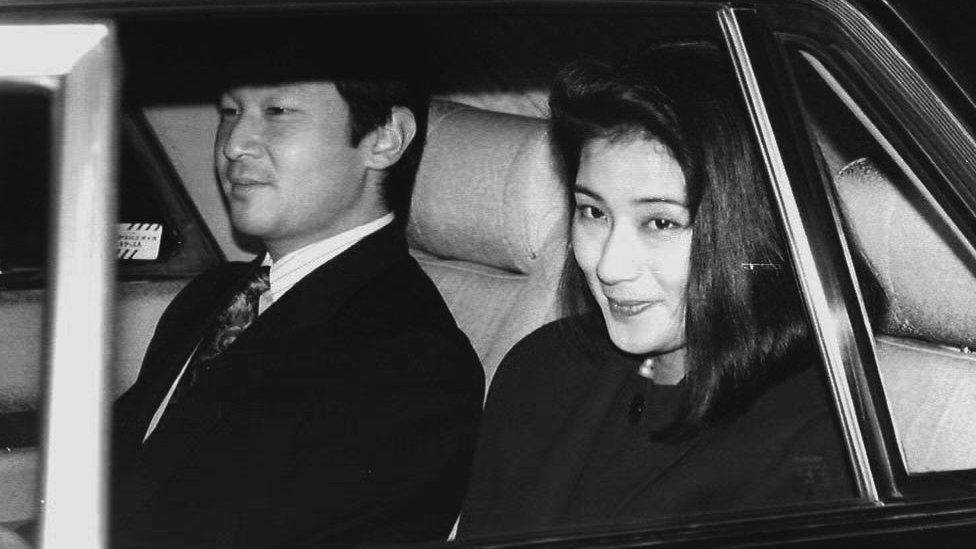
10,540
923,343
488,224
931,391
138,307
929,281
19,500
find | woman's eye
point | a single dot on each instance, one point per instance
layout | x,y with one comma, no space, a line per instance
660,224
226,111
591,212
277,111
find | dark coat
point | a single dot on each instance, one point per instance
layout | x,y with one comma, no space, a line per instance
562,446
346,412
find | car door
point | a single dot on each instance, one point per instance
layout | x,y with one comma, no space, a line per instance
158,242
74,65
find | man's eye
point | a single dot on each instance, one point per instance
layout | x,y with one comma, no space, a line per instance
591,212
277,111
226,111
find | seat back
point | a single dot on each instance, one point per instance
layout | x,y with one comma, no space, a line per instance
488,224
924,342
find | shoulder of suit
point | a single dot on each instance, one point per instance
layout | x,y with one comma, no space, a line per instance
223,272
212,280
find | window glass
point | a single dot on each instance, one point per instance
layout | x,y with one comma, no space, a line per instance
562,451
25,149
25,166
593,452
147,232
587,454
926,270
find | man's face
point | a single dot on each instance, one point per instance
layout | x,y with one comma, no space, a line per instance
287,168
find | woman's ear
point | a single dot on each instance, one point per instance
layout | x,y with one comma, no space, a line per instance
387,143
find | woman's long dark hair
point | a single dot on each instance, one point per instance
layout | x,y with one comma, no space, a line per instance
745,324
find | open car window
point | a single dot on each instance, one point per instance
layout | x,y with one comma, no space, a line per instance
895,161
927,269
489,225
489,75
159,230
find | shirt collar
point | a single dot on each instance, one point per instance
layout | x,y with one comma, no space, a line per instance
294,266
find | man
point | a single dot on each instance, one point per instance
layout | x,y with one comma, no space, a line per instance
346,411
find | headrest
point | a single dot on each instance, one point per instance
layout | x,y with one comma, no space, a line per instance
927,272
486,189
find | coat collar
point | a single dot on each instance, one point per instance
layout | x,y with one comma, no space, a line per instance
319,296
608,373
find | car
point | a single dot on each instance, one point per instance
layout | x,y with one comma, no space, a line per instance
863,111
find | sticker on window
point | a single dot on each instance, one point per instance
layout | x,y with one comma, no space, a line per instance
139,241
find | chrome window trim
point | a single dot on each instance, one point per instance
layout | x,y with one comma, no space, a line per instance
830,324
82,60
953,148
831,81
923,147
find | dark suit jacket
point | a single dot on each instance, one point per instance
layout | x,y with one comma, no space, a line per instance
346,412
559,447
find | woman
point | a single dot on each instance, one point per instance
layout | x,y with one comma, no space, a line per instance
684,379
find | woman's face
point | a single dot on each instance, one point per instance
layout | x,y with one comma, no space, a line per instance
632,240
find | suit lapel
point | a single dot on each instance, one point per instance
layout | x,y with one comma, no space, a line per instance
319,296
182,349
163,365
313,300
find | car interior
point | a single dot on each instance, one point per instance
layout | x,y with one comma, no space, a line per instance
924,340
488,220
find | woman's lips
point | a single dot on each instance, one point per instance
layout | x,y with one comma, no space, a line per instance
625,308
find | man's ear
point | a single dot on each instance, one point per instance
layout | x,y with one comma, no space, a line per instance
387,143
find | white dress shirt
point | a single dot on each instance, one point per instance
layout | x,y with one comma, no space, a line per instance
288,270
285,273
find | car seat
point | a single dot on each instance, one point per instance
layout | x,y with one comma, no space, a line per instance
488,223
924,342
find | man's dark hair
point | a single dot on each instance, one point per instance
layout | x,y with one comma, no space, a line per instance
744,328
372,79
371,104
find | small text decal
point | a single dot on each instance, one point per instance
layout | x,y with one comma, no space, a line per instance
139,241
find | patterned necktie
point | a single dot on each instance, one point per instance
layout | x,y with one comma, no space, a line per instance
240,313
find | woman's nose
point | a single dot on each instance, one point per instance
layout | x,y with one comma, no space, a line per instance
240,137
619,258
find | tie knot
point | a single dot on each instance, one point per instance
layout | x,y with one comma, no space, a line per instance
260,281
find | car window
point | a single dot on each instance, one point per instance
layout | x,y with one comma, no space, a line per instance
487,139
161,240
924,336
488,142
25,145
25,149
159,232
